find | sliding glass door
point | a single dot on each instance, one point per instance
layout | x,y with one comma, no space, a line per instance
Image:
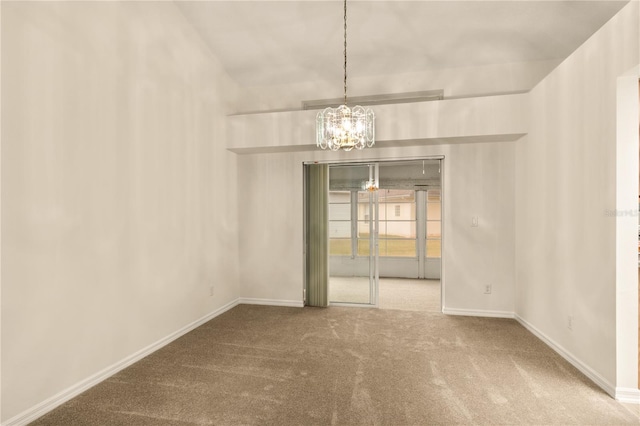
353,234
382,219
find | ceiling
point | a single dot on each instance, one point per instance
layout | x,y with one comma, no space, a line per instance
279,42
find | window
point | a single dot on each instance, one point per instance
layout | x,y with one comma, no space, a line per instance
339,223
397,225
349,223
434,224
362,232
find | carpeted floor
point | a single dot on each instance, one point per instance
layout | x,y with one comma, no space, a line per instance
410,295
259,365
395,293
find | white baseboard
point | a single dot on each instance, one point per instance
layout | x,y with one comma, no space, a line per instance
584,369
621,394
49,404
628,395
477,313
270,302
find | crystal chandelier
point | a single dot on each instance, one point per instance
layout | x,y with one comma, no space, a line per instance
343,127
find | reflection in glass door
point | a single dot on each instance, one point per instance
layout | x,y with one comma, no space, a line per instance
433,233
353,234
385,219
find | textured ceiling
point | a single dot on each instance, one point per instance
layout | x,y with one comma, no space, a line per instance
267,42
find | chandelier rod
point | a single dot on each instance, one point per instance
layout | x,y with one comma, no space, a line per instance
345,52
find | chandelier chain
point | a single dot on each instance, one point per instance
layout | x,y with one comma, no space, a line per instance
343,127
345,52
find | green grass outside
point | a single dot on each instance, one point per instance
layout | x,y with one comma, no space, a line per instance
387,247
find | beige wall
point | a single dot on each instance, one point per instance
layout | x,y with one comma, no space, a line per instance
454,82
487,119
566,173
478,181
477,137
566,182
114,169
114,165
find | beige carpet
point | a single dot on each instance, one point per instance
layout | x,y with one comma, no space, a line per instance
349,289
259,365
395,293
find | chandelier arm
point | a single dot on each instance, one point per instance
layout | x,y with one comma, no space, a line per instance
345,52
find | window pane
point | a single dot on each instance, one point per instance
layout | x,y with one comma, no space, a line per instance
339,197
339,211
363,247
401,248
433,211
363,197
433,229
433,195
339,229
363,211
340,246
395,196
397,229
433,248
363,229
397,223
397,211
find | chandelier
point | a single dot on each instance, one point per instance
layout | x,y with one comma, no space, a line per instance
343,127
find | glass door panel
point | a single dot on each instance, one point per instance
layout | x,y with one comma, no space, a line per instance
352,234
432,233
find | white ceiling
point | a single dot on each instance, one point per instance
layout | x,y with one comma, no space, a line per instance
280,42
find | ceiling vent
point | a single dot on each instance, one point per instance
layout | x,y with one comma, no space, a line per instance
392,98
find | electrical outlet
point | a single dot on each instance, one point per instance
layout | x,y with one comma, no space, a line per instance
570,322
211,290
487,289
